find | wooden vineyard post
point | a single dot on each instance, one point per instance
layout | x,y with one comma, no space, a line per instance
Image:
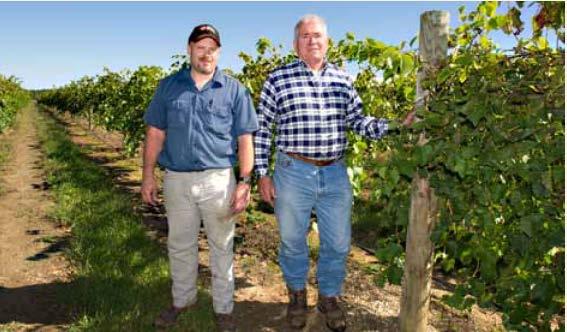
414,306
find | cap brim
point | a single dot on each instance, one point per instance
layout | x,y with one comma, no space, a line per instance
207,36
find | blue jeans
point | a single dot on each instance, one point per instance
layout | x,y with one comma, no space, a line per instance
300,188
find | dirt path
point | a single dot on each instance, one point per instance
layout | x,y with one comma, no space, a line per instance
260,297
33,270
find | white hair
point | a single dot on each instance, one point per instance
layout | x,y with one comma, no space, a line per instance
306,18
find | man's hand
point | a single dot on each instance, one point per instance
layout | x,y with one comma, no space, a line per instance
267,190
240,198
152,147
410,118
149,190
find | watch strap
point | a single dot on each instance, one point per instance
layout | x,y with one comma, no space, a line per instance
245,179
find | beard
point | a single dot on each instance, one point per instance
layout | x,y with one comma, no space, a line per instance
203,69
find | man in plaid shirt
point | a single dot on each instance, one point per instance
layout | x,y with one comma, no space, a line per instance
311,103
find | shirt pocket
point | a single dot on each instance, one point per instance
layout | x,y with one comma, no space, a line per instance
219,120
177,110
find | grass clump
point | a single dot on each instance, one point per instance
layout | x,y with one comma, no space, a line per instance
121,281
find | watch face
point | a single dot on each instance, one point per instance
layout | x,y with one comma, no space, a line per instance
244,179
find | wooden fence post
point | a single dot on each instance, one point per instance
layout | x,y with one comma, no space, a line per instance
414,306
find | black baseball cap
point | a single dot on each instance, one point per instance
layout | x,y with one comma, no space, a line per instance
204,31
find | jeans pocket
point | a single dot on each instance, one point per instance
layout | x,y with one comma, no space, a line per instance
282,160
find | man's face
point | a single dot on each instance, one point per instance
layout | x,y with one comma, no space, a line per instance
204,55
312,42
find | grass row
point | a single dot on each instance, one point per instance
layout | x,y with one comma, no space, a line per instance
121,280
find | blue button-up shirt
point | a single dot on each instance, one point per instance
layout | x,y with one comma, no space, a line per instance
311,114
202,126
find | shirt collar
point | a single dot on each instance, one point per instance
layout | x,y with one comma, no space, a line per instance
218,77
321,71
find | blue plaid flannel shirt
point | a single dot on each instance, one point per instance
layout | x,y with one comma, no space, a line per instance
311,114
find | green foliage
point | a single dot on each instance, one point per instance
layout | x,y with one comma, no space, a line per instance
137,93
256,70
114,100
495,156
551,14
12,98
386,85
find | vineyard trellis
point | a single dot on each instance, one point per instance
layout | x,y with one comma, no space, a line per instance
495,152
12,98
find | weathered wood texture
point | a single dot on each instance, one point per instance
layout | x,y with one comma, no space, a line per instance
414,307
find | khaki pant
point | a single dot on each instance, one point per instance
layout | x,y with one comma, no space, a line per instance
190,197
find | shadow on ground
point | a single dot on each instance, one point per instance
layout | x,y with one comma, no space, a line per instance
56,244
262,316
35,304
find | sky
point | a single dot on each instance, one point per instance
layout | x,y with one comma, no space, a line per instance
47,44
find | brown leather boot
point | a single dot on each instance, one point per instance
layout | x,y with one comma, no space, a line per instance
168,317
225,322
297,308
334,314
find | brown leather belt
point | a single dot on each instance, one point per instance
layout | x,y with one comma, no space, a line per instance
311,161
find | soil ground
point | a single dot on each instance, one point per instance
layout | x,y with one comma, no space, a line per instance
32,267
260,292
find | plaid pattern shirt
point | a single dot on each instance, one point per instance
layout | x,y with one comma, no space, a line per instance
311,113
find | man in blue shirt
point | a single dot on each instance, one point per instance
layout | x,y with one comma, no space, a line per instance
311,103
200,123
